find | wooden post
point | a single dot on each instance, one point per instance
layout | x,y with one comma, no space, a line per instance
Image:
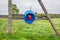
9,16
46,13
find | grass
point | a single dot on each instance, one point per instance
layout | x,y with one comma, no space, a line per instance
39,30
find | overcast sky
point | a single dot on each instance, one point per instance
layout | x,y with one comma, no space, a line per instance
52,6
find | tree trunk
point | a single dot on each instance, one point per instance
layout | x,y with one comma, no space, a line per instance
46,13
9,16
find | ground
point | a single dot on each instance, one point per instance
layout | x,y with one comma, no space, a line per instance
39,30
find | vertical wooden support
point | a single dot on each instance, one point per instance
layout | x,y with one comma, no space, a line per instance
46,13
9,16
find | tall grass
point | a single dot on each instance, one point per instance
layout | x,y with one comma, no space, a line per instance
39,30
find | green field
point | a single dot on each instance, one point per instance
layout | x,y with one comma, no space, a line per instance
39,30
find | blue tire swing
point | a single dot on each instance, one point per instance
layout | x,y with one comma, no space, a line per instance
29,16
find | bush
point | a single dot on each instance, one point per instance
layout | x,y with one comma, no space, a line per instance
51,15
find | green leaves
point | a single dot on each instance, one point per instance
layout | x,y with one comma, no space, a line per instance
15,10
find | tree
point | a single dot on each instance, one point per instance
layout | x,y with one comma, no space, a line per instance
15,10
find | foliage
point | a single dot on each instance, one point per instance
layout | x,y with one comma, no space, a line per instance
15,10
36,31
54,15
51,15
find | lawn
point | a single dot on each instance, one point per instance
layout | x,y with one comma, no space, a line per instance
39,30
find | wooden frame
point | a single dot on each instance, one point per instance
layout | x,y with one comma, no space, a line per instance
44,9
46,13
9,16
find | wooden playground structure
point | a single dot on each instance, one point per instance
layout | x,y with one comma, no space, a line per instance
44,9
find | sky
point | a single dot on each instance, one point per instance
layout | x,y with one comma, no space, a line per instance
52,6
